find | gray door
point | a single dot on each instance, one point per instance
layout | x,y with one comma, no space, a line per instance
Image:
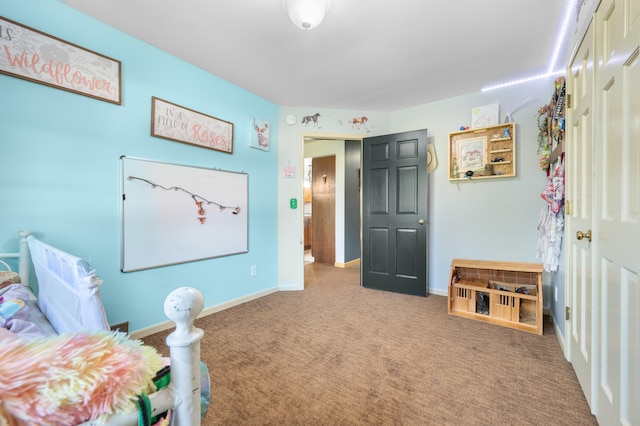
394,212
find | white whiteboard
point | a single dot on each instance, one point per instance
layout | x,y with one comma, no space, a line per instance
162,222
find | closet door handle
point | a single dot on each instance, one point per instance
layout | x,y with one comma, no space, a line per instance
421,222
580,235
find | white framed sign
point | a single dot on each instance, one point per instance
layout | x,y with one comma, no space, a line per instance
180,124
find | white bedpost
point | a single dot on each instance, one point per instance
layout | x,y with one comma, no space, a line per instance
23,262
182,306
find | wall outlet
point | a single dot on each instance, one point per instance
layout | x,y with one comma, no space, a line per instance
254,270
556,293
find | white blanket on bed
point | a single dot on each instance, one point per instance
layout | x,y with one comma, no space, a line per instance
15,312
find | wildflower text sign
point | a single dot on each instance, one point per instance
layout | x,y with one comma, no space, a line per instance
32,55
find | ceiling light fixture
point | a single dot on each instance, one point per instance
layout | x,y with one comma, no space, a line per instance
306,14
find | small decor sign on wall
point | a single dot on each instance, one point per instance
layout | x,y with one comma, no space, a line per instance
32,55
180,124
260,134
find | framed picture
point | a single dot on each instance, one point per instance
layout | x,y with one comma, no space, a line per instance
472,154
32,55
483,116
484,153
260,134
180,124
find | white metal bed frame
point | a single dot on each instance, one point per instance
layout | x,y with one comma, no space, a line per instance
182,396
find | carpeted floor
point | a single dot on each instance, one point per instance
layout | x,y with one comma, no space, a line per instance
340,354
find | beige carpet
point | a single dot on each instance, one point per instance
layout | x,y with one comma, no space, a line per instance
340,354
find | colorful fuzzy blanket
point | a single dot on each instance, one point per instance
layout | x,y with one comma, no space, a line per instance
69,379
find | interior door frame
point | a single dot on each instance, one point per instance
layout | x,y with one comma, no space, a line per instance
321,136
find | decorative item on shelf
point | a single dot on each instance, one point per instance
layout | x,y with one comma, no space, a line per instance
544,157
483,116
543,128
454,169
551,126
505,133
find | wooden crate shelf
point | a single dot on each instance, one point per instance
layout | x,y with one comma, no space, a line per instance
503,293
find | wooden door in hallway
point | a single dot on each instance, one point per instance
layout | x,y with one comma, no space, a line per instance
323,209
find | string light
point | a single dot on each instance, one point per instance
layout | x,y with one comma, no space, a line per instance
201,211
560,40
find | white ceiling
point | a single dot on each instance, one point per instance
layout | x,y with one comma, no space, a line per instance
379,55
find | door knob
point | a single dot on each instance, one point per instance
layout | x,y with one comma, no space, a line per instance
580,235
421,222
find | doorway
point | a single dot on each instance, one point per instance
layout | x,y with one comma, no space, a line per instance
346,228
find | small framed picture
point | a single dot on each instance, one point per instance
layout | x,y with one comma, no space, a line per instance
472,153
260,134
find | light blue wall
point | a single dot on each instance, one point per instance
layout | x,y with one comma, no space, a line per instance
60,164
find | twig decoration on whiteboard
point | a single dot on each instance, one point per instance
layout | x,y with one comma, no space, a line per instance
198,199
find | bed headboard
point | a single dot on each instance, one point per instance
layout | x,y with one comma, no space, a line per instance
23,258
68,289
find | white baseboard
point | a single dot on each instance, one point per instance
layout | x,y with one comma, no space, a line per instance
438,292
349,264
166,325
559,336
291,287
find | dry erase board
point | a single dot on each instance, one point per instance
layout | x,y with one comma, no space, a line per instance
175,213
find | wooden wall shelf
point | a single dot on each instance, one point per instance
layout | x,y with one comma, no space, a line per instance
488,152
